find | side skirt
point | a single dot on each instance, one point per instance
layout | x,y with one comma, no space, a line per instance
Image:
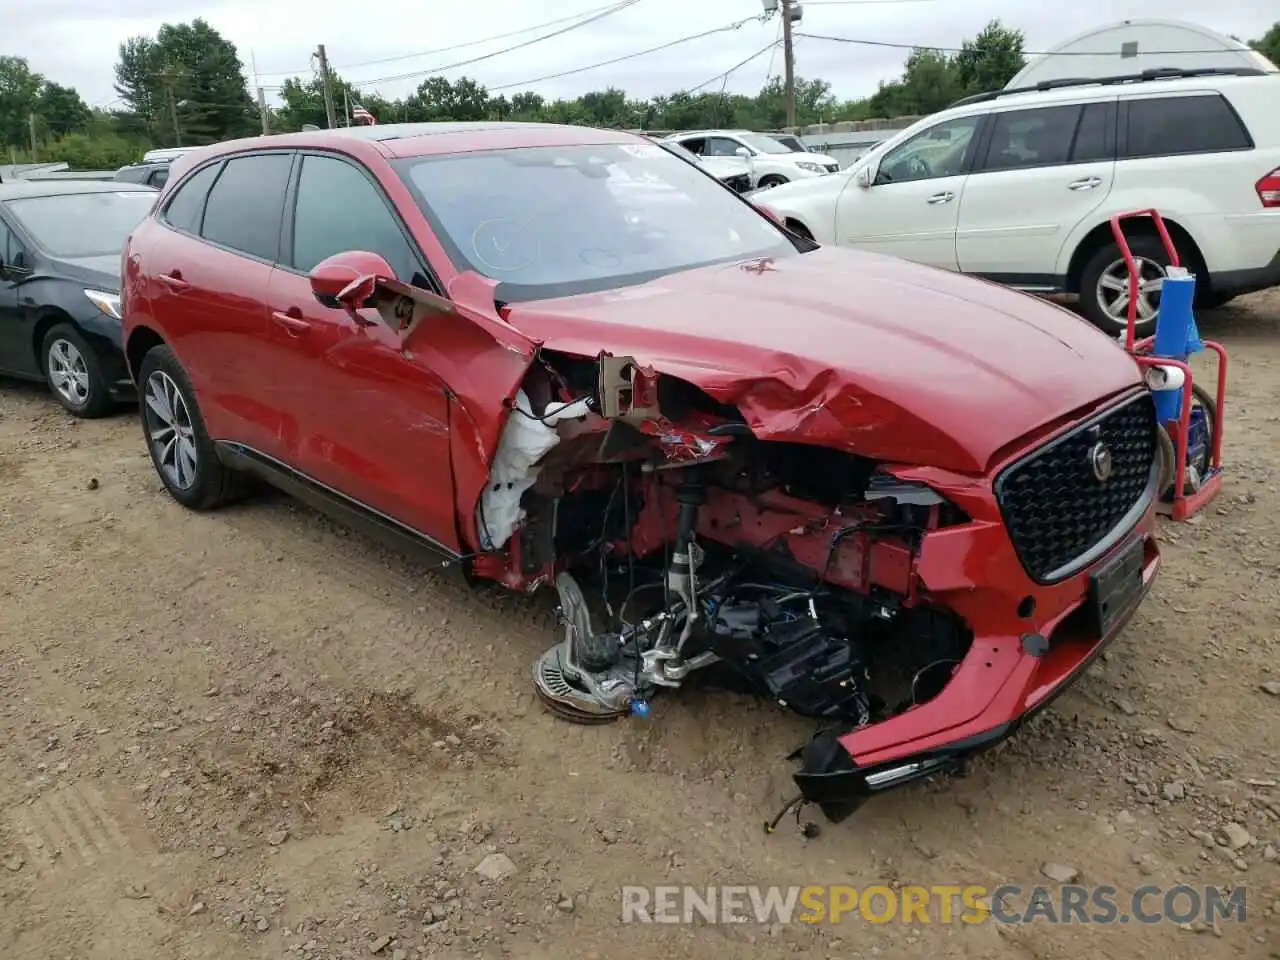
338,506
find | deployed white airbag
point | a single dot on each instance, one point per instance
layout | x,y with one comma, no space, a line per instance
526,439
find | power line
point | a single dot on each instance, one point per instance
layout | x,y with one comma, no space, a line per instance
768,71
452,47
616,8
1025,53
772,45
630,56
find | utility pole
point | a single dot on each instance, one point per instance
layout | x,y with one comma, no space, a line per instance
170,80
789,57
263,112
31,123
326,84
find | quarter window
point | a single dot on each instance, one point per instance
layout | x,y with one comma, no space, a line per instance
339,209
1168,126
246,204
186,209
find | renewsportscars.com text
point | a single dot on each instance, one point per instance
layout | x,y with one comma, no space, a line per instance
1007,904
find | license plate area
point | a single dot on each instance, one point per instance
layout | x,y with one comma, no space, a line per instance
1116,588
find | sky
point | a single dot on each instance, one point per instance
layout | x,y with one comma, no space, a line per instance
76,42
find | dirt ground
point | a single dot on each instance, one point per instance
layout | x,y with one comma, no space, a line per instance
254,735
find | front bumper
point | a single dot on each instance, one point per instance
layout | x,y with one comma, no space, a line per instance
1015,667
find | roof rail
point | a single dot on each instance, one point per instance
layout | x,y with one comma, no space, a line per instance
1156,73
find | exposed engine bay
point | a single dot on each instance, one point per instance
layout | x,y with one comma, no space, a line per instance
685,550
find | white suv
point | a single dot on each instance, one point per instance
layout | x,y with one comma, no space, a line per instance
772,163
1018,186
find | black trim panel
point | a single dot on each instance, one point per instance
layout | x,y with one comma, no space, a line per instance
843,787
335,504
1047,282
1247,281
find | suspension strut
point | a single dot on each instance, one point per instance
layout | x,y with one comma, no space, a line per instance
682,575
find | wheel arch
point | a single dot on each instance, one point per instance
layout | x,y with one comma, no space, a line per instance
48,318
142,339
1101,235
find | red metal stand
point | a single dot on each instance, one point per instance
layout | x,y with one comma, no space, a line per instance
1184,505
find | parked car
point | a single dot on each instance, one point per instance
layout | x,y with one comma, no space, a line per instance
792,143
1019,186
733,172
544,353
154,173
60,243
772,164
167,154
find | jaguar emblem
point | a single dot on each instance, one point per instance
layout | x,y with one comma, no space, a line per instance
1100,462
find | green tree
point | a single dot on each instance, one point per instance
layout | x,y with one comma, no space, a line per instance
19,97
61,111
991,59
192,70
438,99
1269,44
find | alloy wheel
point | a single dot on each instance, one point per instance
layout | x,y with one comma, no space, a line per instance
1113,290
68,373
170,432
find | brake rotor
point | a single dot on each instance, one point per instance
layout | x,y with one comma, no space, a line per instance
564,699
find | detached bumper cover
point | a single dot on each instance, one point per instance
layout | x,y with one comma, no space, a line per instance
840,771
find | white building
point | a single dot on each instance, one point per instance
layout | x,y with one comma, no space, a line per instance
1132,46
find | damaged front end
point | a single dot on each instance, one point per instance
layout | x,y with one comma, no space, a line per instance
750,531
782,569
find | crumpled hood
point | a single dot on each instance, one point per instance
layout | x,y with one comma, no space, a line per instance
841,348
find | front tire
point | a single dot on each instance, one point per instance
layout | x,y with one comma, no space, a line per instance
181,450
1104,286
74,373
771,181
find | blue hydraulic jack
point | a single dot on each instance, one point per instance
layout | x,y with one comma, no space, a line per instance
1190,419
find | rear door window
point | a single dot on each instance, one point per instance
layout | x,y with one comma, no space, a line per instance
1095,136
1173,126
1031,138
185,209
246,205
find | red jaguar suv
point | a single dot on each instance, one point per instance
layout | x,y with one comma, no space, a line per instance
908,504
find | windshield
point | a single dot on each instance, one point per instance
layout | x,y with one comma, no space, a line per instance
554,221
758,141
83,224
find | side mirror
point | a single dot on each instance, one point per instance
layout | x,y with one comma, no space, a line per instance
865,177
350,279
743,152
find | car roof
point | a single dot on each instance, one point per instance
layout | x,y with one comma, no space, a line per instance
709,133
23,189
424,139
1106,88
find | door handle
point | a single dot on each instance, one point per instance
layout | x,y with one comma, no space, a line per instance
173,280
944,197
1085,183
292,320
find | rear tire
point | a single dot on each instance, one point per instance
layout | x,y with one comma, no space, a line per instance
1104,290
181,450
